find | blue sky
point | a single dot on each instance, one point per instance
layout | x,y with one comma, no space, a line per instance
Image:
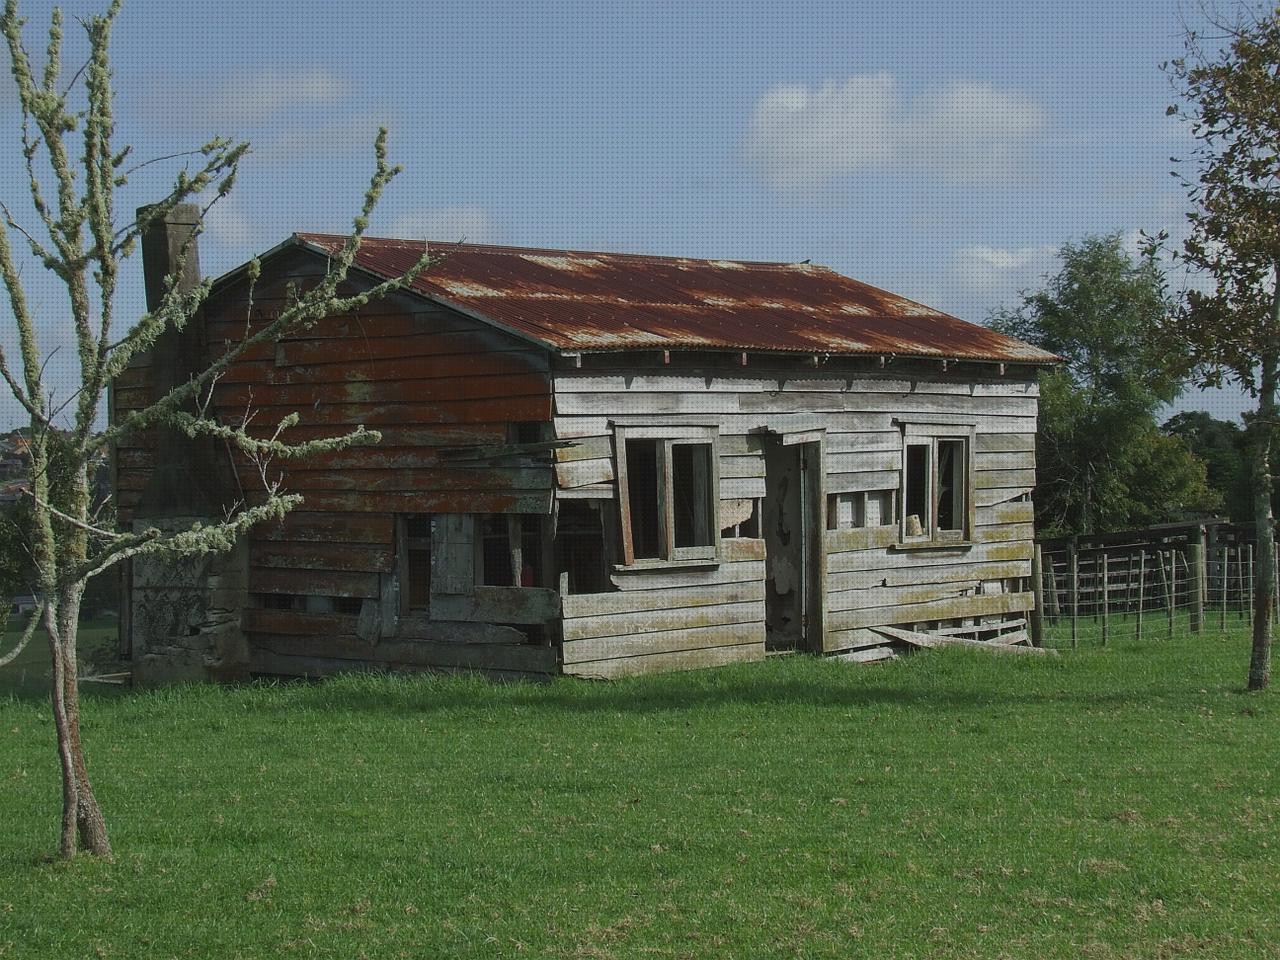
941,150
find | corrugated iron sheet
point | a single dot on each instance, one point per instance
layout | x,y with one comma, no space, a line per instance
577,301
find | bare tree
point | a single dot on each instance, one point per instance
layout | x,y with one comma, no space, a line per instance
67,135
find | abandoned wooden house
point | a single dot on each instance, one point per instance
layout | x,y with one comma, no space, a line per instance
591,463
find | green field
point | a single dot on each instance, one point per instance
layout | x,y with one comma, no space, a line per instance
1118,803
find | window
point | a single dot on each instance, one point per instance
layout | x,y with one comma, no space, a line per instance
417,570
872,508
508,550
936,500
668,493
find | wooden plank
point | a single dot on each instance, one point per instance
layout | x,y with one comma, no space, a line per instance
613,626
311,555
865,461
860,538
525,605
370,350
313,583
704,402
947,609
586,448
867,655
514,409
928,641
763,377
860,482
429,501
453,478
449,387
418,626
1005,442
992,479
518,657
1004,532
298,622
875,559
1009,512
1006,460
636,601
452,554
596,491
745,466
667,577
581,473
666,662
902,576
739,549
998,495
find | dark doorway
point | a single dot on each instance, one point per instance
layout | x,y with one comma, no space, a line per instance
793,524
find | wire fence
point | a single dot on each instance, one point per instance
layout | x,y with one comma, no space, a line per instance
1100,594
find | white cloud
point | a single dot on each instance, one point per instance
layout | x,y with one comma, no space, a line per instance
249,99
467,222
1000,271
799,138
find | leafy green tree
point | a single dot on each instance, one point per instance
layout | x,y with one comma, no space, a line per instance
78,239
1230,96
1223,448
1099,453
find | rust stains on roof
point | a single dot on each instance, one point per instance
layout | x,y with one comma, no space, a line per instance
577,301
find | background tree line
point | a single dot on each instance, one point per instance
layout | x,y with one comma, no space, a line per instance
1105,461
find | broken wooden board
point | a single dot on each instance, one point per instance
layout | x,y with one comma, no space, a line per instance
929,641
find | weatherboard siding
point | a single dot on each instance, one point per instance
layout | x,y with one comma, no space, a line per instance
868,582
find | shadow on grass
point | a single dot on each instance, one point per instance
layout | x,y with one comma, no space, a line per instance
979,684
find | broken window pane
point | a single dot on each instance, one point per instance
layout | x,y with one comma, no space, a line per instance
642,482
418,562
951,483
580,546
691,495
915,505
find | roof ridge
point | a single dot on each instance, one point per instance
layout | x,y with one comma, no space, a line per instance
511,250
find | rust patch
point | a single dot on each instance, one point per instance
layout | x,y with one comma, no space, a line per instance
571,300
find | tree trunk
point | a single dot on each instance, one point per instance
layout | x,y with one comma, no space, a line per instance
1263,429
81,816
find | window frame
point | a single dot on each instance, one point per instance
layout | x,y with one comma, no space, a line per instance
667,438
930,434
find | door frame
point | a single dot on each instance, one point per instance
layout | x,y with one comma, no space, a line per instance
811,460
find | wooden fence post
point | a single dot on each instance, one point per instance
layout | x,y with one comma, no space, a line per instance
1171,591
1037,592
1106,607
1075,598
1195,584
1142,575
1222,606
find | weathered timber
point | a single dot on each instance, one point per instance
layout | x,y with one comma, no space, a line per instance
668,577
311,555
313,583
700,658
525,605
637,601
929,641
945,609
611,627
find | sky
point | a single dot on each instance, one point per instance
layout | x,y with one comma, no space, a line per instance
943,151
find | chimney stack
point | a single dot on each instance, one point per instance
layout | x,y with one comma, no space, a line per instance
189,477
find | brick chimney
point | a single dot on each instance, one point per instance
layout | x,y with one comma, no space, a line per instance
190,477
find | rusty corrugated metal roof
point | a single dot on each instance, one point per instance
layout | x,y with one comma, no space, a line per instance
580,301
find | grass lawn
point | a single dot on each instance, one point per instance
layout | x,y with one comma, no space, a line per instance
1117,803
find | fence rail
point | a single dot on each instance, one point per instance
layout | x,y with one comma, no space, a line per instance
1175,582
